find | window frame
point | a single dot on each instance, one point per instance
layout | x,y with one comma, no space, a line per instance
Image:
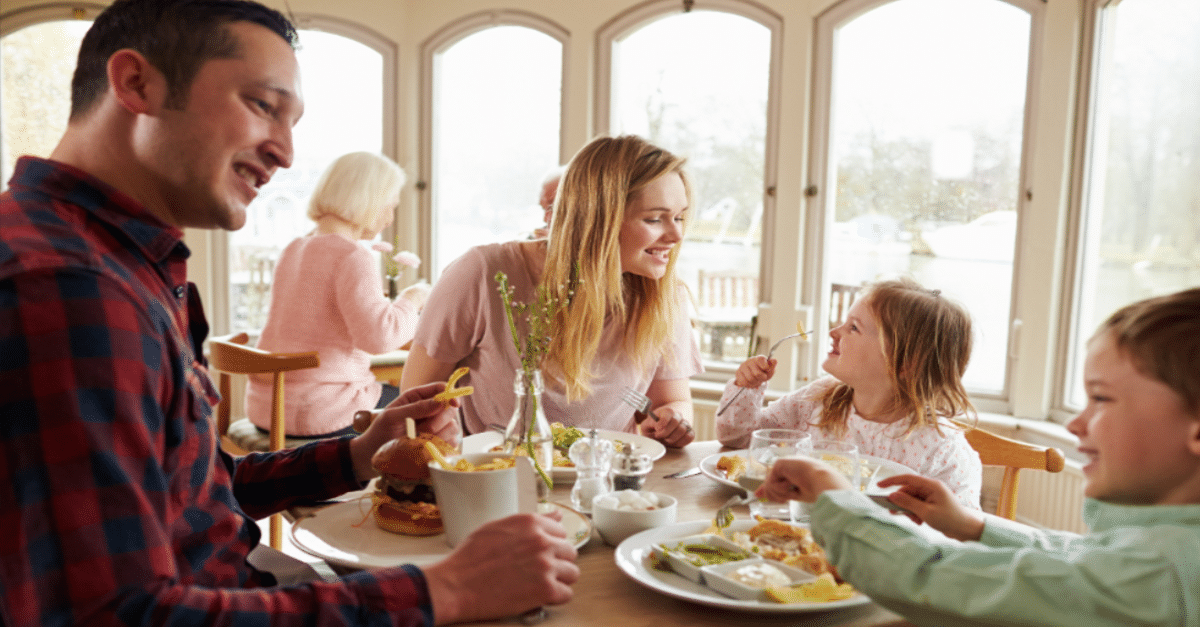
441,40
815,262
771,295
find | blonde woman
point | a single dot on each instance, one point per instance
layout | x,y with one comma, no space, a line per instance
327,296
896,364
614,238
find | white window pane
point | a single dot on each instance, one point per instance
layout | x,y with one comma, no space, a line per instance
696,84
35,89
1141,209
928,109
343,112
497,109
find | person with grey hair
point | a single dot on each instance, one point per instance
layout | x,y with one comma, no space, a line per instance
326,297
549,191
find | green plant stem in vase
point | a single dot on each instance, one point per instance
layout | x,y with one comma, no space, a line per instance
528,427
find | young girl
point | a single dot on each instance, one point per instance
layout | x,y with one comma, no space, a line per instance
327,296
610,257
1140,437
896,364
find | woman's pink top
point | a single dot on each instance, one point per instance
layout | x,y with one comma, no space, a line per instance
327,296
464,324
945,456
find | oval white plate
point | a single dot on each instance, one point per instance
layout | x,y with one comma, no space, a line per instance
887,468
484,442
632,558
344,534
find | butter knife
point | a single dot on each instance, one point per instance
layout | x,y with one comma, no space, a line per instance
695,470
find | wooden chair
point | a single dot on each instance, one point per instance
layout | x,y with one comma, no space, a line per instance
841,296
997,450
231,355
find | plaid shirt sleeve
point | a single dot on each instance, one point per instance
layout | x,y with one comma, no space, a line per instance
116,505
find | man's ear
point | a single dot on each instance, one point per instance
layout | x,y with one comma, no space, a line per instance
137,85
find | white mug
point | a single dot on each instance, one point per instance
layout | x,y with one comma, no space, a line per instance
467,500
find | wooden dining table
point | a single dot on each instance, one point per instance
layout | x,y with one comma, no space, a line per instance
605,595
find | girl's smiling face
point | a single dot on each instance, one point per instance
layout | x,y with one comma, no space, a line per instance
653,226
1138,437
856,354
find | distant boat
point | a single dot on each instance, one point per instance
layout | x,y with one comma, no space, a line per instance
990,237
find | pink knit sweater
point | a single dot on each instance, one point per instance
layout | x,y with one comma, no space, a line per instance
327,296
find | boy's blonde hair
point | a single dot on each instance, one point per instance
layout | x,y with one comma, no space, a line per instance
1161,337
357,187
926,340
583,260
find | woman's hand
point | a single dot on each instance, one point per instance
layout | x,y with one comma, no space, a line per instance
931,502
754,372
671,428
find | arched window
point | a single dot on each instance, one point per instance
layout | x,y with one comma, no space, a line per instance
343,72
1139,220
699,83
37,59
492,106
919,164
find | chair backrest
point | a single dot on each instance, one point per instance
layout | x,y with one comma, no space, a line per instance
841,296
726,290
231,355
997,450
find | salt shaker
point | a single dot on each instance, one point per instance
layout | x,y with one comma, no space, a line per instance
630,469
592,456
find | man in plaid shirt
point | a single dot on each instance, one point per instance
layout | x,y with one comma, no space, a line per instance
117,505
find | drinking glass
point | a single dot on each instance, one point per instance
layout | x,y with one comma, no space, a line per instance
767,446
843,456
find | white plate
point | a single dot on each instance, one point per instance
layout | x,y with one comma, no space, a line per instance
332,535
887,468
633,554
642,445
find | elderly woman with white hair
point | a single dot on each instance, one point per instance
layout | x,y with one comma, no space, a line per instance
327,296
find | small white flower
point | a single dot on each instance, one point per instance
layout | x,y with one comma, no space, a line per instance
406,258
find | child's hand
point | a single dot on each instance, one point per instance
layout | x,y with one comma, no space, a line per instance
754,372
930,501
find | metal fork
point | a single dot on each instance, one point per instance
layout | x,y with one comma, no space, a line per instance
639,402
724,516
769,353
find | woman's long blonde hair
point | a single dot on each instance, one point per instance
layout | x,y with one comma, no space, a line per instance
926,339
583,261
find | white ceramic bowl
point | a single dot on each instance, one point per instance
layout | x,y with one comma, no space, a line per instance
683,564
616,524
719,578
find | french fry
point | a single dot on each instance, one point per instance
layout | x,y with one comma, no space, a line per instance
823,590
437,456
451,391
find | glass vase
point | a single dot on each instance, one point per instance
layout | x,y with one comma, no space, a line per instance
528,432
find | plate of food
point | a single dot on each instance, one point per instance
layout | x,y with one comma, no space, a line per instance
728,466
345,534
564,437
812,585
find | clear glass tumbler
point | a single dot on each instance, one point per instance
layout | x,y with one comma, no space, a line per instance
766,446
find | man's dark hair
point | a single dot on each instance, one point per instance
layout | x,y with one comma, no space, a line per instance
176,36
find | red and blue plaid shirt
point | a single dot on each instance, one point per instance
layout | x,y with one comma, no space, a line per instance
117,505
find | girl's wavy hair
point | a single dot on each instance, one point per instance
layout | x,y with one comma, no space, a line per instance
583,260
1161,337
926,339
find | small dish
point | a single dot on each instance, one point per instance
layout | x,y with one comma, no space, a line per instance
689,568
615,524
723,577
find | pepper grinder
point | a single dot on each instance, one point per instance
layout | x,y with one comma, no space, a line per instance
630,470
592,457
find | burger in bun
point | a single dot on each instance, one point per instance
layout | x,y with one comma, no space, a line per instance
404,501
